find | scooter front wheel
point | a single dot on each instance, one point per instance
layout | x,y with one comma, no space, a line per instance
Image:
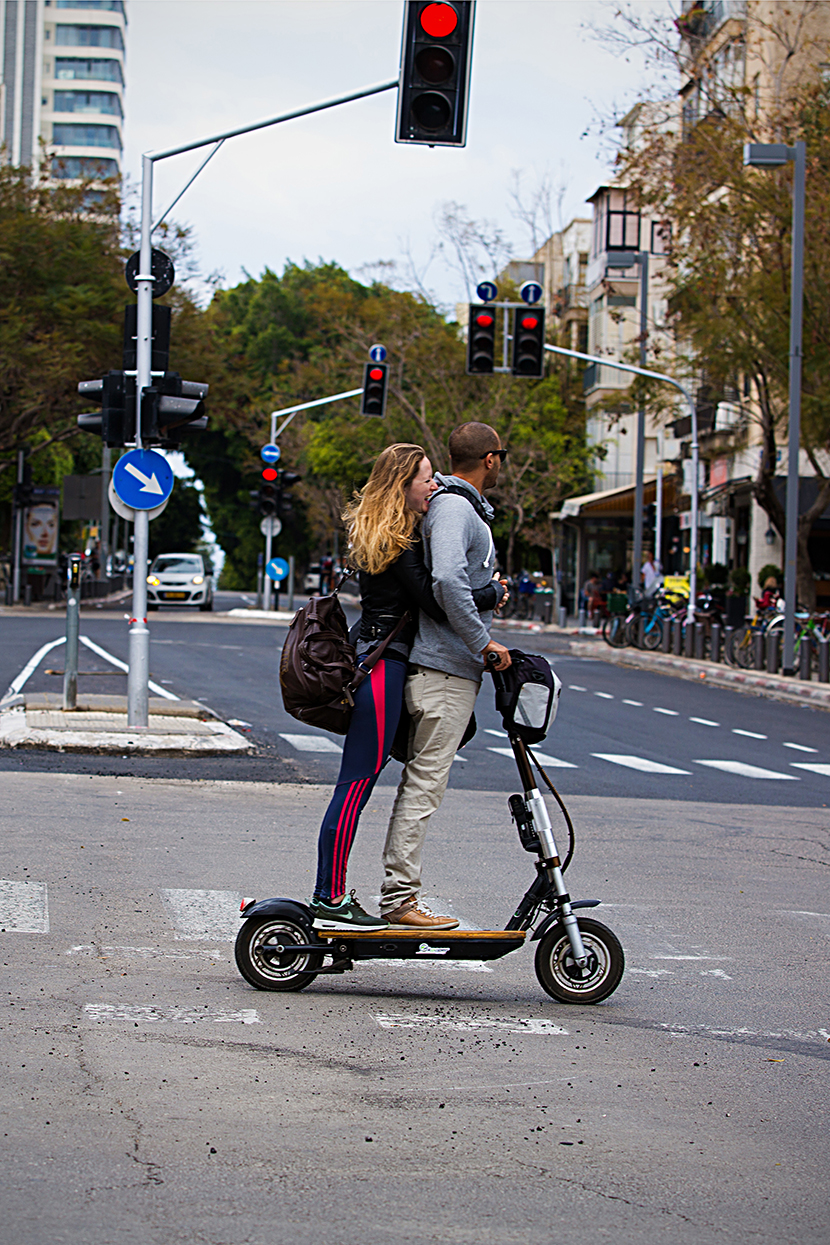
264,956
561,976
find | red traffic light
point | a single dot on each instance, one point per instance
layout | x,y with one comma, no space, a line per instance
529,322
439,20
376,373
484,319
269,474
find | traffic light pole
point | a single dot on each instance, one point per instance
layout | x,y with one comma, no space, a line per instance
139,636
669,380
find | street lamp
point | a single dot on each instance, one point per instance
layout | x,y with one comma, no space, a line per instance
770,156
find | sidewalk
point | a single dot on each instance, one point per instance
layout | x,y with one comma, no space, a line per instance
99,725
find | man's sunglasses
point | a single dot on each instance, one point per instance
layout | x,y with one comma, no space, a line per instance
501,453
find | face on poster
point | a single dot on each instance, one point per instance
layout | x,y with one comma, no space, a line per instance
40,533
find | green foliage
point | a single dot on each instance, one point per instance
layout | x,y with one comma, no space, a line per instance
178,529
739,581
769,571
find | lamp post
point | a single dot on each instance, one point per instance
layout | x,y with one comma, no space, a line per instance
766,156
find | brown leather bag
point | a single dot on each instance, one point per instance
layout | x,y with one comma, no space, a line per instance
318,667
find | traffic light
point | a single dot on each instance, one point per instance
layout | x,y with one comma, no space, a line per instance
269,492
170,407
285,499
481,339
528,342
373,401
115,423
436,55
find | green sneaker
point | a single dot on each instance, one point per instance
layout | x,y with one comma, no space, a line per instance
346,915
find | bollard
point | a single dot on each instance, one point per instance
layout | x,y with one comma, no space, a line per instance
715,643
758,651
677,637
773,652
689,640
700,633
665,636
563,616
728,633
583,618
73,618
823,660
27,595
805,654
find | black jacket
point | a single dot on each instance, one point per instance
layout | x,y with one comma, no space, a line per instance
406,585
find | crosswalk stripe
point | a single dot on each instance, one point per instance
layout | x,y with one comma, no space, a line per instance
311,743
544,757
816,767
201,915
742,770
24,908
640,763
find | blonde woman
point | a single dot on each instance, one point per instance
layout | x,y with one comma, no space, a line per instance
383,524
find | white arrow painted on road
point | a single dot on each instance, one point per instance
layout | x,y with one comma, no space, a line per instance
149,484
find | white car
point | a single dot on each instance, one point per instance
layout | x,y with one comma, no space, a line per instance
179,579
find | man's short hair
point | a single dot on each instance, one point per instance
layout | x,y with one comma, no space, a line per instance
470,442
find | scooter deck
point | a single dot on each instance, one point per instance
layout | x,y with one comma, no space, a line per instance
402,932
399,943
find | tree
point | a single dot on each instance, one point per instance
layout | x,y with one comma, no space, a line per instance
178,529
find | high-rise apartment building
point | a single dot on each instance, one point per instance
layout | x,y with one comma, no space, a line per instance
62,84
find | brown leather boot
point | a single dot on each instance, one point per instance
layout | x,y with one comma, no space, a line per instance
414,915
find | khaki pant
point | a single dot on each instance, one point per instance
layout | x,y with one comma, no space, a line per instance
440,706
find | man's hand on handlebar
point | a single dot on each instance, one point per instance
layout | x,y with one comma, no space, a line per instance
503,654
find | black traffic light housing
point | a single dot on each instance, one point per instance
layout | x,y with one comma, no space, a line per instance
528,342
115,422
436,55
481,339
373,399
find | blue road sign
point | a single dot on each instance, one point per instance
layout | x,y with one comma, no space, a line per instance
377,354
142,479
487,291
270,453
531,292
277,568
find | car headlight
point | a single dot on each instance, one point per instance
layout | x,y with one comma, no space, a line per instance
198,579
153,580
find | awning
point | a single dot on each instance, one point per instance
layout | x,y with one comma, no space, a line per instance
616,502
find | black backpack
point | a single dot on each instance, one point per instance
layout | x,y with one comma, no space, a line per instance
528,697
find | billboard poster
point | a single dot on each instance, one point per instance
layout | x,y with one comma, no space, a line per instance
41,523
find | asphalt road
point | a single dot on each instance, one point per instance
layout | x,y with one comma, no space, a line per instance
619,732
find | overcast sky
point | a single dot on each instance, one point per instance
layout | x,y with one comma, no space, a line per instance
336,186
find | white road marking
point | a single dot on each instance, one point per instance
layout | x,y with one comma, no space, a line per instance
121,665
312,743
450,966
604,695
544,757
640,763
742,770
704,722
814,766
672,713
801,747
201,915
458,757
715,972
650,972
518,1024
638,704
574,687
749,734
178,1015
488,730
24,908
690,957
147,953
32,665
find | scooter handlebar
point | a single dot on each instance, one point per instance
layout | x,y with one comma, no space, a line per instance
491,661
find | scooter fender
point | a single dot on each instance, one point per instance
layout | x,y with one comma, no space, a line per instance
551,920
280,907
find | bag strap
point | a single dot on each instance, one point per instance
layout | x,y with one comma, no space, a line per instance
366,667
347,574
457,491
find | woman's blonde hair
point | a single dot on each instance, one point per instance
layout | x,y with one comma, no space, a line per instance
379,522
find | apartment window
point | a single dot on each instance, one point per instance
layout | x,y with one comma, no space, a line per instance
109,6
616,222
90,37
78,70
68,135
622,300
83,166
88,101
660,237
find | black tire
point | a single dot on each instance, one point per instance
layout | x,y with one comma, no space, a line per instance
653,635
559,975
632,631
613,631
272,970
206,605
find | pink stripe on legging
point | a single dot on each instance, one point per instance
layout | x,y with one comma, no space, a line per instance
345,833
378,685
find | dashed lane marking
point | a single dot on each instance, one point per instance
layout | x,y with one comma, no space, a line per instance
741,770
801,747
466,1024
24,908
574,687
604,695
704,722
638,704
312,743
736,730
815,767
200,915
136,1014
544,757
639,763
671,713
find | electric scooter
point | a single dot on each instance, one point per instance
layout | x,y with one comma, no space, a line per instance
578,960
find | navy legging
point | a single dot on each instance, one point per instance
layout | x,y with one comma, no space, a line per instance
377,711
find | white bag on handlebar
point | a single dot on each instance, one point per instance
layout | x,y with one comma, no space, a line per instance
529,697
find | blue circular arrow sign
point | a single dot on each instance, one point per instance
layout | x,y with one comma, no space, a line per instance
487,291
277,568
377,354
142,479
531,292
270,453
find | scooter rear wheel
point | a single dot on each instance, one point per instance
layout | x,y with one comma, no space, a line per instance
561,977
264,956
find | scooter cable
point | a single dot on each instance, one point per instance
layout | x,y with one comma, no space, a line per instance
565,813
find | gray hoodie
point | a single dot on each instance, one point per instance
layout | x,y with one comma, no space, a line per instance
460,553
